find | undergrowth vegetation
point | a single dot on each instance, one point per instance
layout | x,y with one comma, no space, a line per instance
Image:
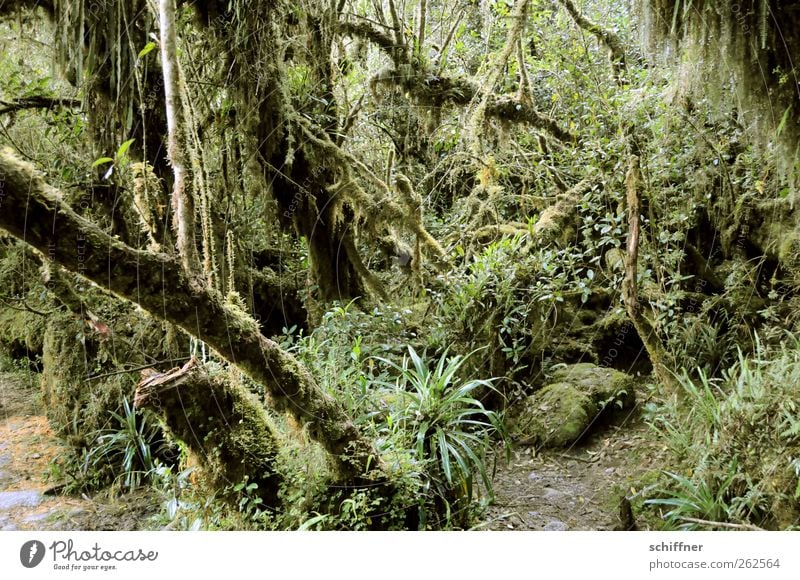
737,440
424,231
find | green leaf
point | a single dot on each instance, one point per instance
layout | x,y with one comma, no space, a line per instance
309,523
444,456
147,49
101,161
123,149
782,124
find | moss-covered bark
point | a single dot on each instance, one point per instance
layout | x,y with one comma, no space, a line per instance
226,427
76,407
158,284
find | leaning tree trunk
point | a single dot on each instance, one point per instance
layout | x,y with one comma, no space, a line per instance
34,212
225,426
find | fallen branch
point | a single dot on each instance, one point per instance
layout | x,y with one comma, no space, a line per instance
135,369
731,526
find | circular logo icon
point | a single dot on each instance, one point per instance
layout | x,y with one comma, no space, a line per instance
31,553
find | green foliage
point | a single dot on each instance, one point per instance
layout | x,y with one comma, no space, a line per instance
128,447
444,425
696,500
126,452
526,303
739,438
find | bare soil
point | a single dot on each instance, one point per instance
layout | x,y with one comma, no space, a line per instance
579,488
28,447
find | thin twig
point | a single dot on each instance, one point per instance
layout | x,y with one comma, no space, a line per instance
26,308
135,369
750,527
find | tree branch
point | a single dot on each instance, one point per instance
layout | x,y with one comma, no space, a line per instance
607,38
34,212
436,91
37,102
386,42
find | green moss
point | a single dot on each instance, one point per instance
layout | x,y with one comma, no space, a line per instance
789,248
566,409
21,333
77,407
228,429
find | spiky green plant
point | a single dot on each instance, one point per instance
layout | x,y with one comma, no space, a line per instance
698,501
128,448
446,425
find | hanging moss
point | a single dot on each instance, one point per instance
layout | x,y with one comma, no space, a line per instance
23,312
107,337
99,42
21,333
75,406
747,48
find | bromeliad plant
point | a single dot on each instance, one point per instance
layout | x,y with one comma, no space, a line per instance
447,428
129,448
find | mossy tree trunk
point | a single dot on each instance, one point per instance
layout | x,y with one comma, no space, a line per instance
158,283
225,426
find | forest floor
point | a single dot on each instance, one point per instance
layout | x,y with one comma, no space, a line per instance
567,489
28,448
579,488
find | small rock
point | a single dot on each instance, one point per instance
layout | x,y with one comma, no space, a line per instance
551,494
609,471
533,476
534,514
35,456
13,499
556,526
9,528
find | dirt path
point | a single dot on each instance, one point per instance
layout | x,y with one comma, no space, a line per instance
573,489
27,448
